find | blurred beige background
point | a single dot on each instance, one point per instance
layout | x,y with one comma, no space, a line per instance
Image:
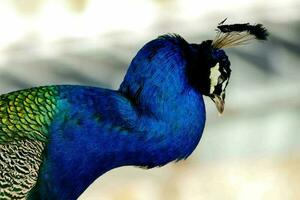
251,152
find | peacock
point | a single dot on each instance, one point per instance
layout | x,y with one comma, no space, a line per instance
56,140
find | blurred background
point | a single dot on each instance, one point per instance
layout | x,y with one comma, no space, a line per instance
251,152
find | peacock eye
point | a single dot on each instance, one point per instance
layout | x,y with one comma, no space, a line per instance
221,79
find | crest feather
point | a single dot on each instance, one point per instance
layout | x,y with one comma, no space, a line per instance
238,34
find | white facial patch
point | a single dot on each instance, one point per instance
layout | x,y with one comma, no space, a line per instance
214,76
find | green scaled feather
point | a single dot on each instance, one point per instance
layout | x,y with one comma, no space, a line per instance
26,114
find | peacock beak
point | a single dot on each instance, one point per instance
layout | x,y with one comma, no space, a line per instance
219,101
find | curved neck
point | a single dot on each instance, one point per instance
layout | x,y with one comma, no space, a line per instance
154,118
169,108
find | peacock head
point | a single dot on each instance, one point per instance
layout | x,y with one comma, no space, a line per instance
213,76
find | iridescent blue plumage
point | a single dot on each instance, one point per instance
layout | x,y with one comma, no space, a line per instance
154,118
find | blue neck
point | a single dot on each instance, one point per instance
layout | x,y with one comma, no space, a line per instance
154,118
169,108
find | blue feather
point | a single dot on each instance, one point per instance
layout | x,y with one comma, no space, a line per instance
155,117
